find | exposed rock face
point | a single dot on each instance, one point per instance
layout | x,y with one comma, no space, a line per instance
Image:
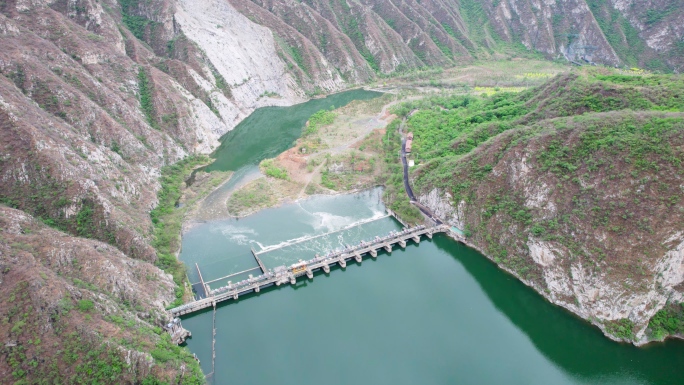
243,52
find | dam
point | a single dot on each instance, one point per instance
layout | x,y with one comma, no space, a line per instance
284,275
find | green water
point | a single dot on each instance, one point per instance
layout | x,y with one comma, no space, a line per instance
269,131
434,313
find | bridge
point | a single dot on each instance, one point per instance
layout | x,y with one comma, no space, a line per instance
284,275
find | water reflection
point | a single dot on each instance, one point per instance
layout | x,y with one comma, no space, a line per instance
570,342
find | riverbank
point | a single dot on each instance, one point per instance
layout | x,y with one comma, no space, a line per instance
341,153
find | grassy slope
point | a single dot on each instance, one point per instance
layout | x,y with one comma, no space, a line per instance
588,139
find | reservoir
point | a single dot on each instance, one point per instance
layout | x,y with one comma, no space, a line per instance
433,313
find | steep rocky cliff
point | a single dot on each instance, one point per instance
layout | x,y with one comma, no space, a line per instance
570,190
95,98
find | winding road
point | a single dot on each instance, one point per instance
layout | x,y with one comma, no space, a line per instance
407,185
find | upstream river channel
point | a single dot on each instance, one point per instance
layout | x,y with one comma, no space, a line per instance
433,313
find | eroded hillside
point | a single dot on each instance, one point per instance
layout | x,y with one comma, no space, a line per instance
80,311
575,187
350,38
95,98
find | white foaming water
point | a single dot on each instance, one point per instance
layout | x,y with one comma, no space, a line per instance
330,222
309,237
240,235
299,203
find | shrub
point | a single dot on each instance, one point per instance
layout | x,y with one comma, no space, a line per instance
167,221
623,328
667,321
85,305
319,119
146,98
269,168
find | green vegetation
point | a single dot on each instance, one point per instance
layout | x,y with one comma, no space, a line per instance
623,328
487,41
318,120
167,220
85,305
269,168
350,27
654,16
475,19
667,321
254,196
18,76
90,358
84,220
299,59
138,25
619,32
442,119
145,94
452,125
221,82
635,138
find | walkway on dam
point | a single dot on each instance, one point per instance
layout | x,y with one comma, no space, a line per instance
283,275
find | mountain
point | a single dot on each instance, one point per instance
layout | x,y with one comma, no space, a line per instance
396,35
97,97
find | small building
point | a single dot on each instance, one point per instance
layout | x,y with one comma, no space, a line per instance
177,332
280,270
409,142
298,268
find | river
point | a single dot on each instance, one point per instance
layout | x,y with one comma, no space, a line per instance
434,313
